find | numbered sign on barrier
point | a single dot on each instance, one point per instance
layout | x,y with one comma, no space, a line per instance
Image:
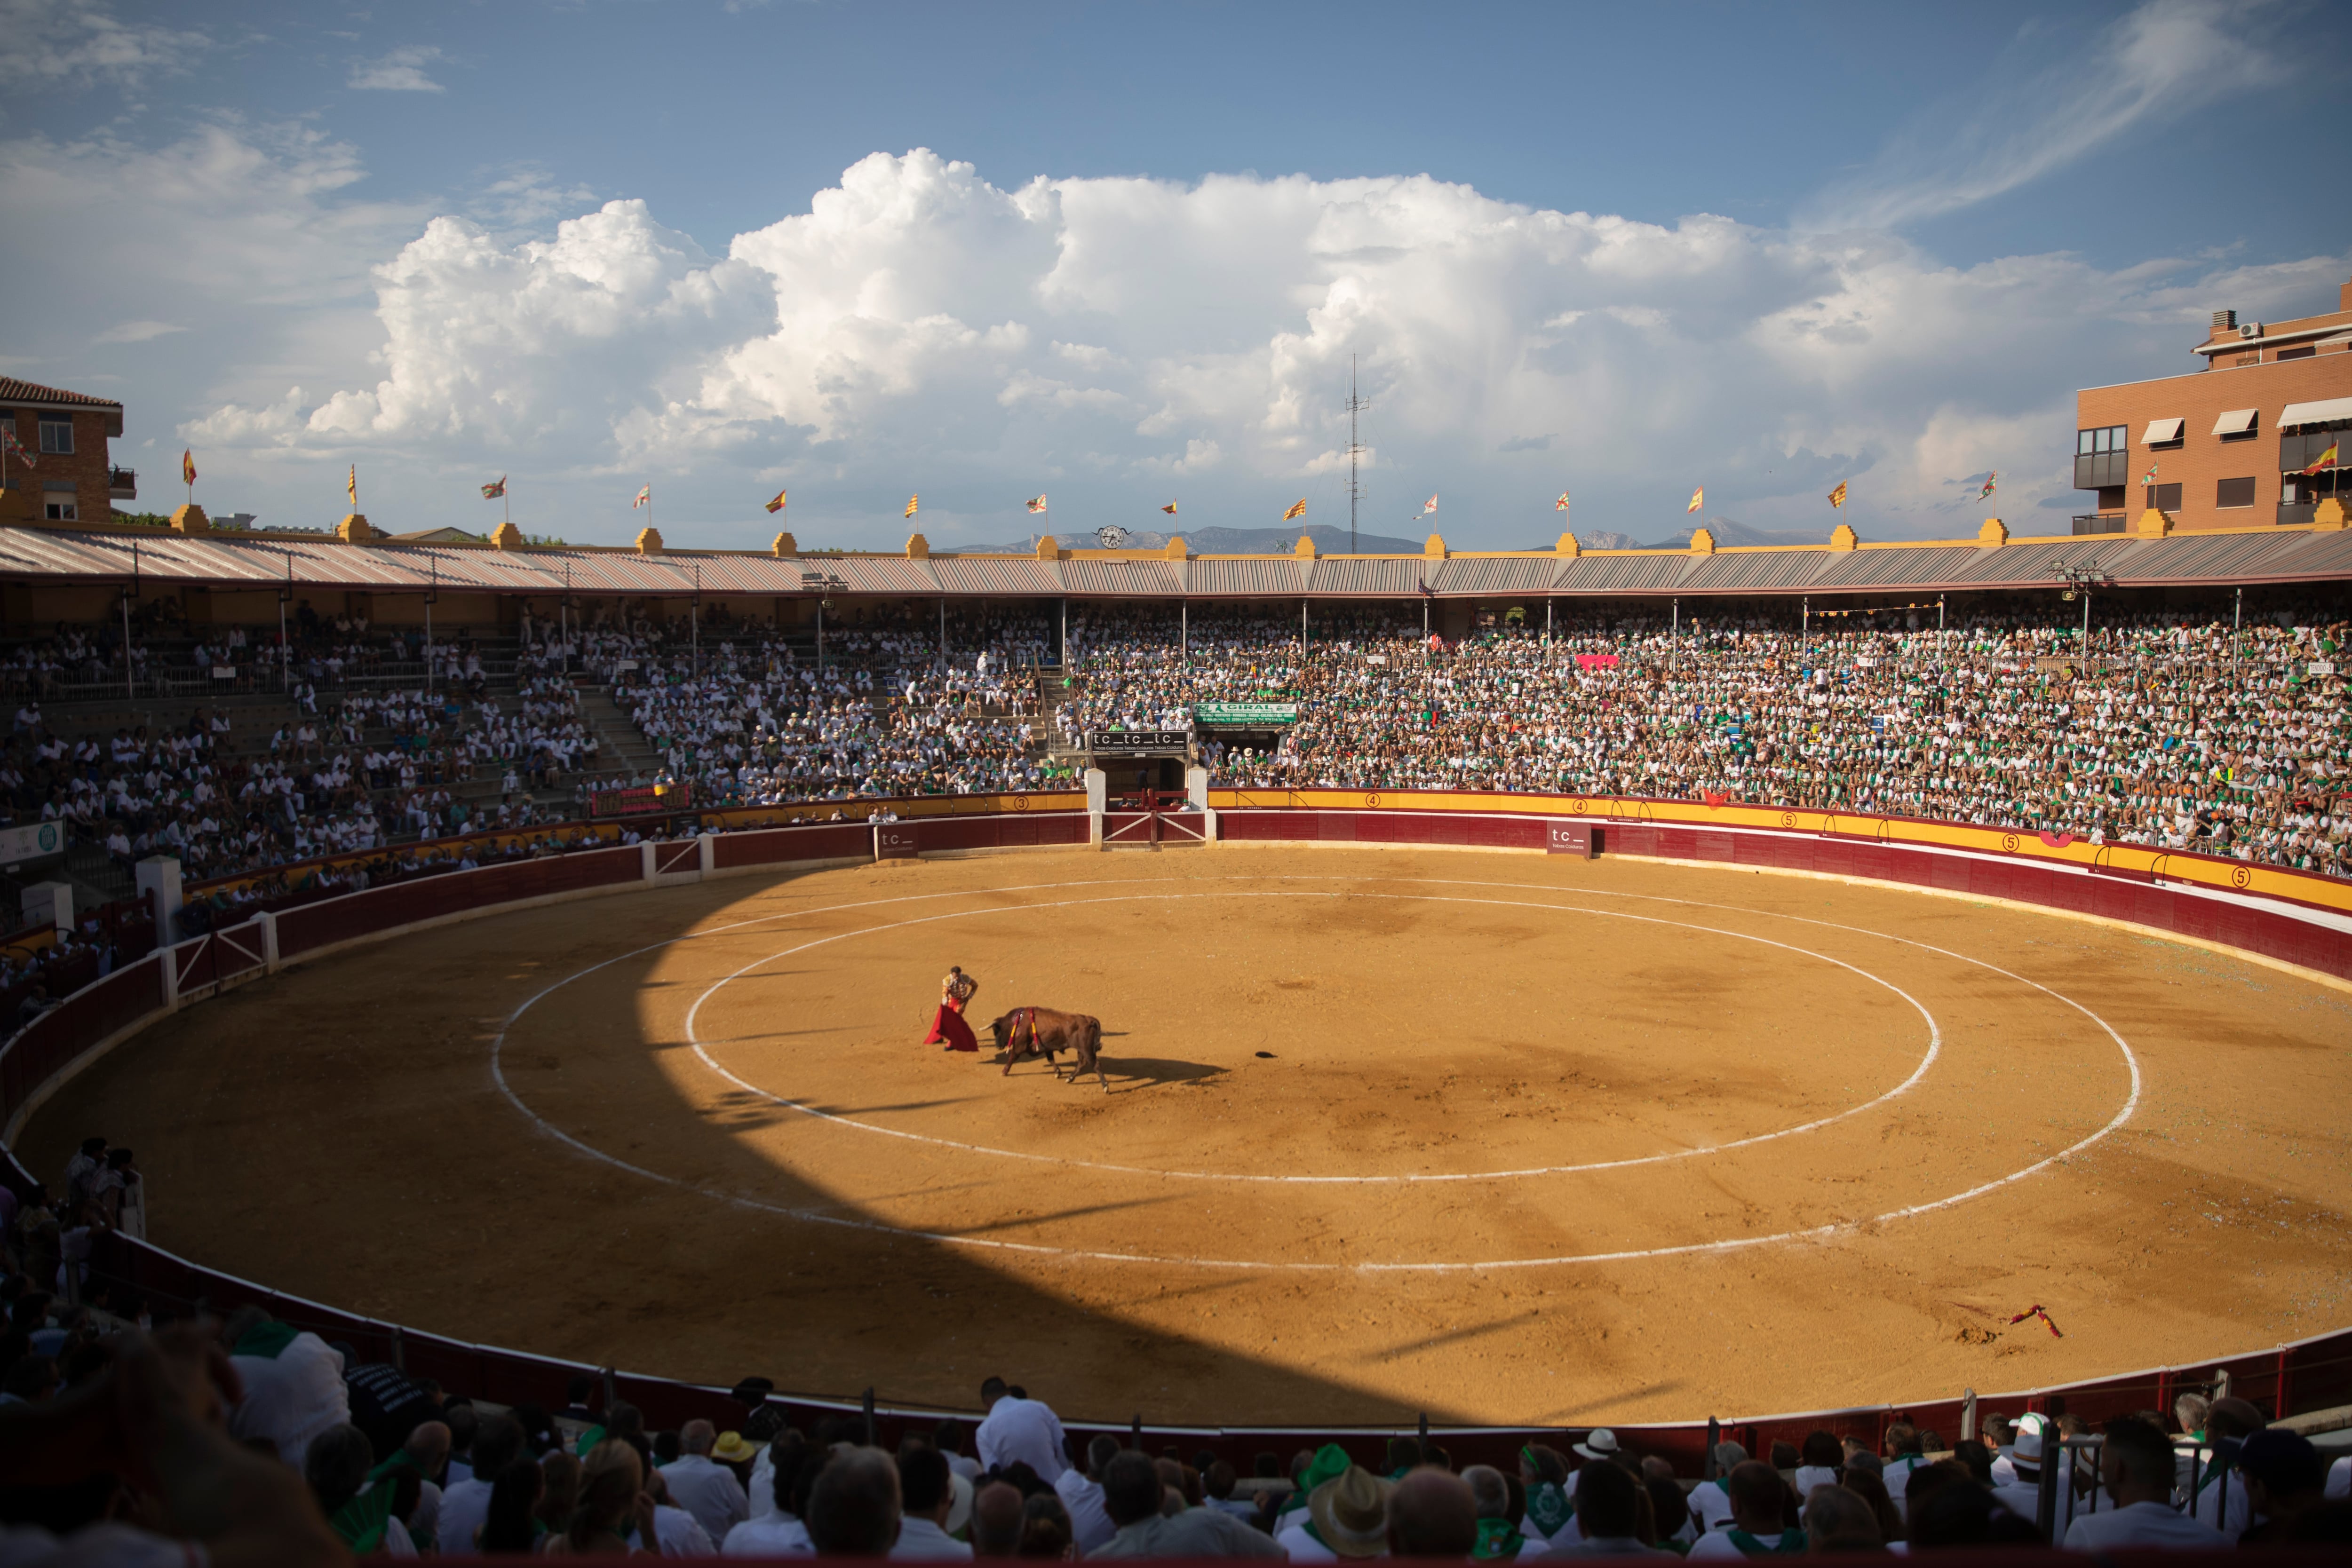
1569,838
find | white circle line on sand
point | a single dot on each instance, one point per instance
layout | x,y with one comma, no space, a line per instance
1935,1048
1035,1249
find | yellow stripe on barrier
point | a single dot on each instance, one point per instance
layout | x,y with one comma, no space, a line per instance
2017,843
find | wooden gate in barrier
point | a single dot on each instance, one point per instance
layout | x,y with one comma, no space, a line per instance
217,958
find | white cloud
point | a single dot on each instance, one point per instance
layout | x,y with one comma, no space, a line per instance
2038,115
75,42
402,70
137,331
487,343
921,328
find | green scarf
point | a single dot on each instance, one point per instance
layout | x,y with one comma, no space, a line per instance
1791,1545
265,1342
1549,1506
1497,1538
361,1522
589,1438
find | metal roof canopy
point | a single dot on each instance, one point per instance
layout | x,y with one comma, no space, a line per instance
34,554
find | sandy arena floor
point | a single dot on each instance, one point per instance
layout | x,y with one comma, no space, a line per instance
1503,1138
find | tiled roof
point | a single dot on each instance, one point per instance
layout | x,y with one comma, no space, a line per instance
14,391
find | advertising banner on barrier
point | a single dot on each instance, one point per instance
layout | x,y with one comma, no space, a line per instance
1569,838
1138,742
648,798
31,842
1244,716
1596,661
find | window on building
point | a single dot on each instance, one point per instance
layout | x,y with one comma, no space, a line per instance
2233,493
2101,457
56,434
2163,497
58,508
2111,497
2304,353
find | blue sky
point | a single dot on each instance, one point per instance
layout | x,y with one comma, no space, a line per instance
1123,253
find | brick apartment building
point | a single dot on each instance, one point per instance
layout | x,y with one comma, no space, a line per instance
2228,443
69,478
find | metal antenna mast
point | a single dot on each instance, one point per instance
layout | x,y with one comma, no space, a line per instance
1356,405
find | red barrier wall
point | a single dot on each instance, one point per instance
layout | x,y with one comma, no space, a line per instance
315,926
2274,933
46,1045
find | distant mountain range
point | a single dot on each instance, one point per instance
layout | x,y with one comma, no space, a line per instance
1729,532
1226,541
1329,540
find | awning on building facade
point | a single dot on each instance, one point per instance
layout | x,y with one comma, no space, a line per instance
2321,413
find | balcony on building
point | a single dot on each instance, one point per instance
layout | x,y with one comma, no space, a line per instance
122,483
2308,474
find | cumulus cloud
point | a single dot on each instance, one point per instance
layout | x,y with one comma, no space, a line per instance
485,341
402,70
921,327
77,42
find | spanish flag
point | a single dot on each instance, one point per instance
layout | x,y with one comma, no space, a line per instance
1698,499
914,503
1297,510
1169,509
352,486
2325,460
187,466
1837,496
778,503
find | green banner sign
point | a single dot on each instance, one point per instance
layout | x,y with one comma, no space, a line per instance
1245,714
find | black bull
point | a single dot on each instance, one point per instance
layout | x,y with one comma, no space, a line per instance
1025,1032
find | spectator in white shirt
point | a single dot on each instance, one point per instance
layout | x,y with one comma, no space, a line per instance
1760,1501
2022,1495
467,1503
708,1490
1018,1429
1818,1461
776,1531
1081,1492
1903,1457
925,1493
2219,1492
293,1384
2135,1465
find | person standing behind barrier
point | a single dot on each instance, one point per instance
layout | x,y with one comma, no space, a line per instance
1019,1429
947,1024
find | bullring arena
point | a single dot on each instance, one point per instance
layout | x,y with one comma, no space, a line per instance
1506,1138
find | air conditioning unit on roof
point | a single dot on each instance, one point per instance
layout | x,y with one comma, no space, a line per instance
2251,330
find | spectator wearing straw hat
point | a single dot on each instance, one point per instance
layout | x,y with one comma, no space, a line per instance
1347,1517
2032,1437
703,1485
